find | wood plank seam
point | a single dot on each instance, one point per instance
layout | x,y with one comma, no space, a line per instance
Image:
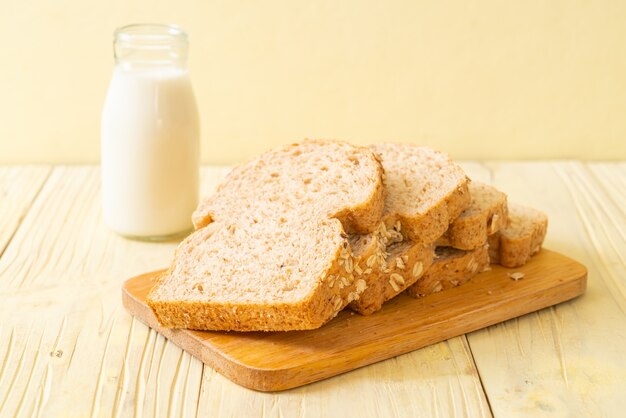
401,383
598,191
614,284
123,375
491,174
21,403
25,212
491,180
199,387
528,378
17,371
616,184
95,405
480,378
597,194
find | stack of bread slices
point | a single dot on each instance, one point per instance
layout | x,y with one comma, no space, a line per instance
304,231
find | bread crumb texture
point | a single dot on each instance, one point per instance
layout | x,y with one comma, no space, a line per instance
425,190
522,238
270,240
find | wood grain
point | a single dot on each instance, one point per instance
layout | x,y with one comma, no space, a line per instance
18,188
565,361
278,361
69,349
63,333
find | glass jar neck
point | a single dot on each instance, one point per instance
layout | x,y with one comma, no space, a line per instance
147,45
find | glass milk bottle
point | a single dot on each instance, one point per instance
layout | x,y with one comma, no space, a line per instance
150,135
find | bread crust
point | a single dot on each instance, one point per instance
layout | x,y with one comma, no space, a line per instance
521,239
413,226
485,215
403,266
450,268
436,187
309,313
326,293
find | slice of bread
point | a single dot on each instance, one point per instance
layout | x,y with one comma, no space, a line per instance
451,267
388,264
272,242
485,215
425,190
522,238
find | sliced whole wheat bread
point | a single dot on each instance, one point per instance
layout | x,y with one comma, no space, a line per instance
434,191
388,267
425,191
485,215
271,239
522,238
451,267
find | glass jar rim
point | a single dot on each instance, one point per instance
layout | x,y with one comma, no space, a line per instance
156,32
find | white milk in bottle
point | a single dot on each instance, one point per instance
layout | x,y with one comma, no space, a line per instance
150,135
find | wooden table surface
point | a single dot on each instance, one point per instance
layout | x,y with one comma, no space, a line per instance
68,348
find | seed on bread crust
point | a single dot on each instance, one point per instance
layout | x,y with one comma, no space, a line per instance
396,281
360,285
437,287
382,230
400,263
348,265
397,278
395,236
494,224
331,280
337,302
358,270
344,282
418,268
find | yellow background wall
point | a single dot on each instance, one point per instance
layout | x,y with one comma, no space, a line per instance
479,79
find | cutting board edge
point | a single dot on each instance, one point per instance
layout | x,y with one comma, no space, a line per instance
245,375
277,379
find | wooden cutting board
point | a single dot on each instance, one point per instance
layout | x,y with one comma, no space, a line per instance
283,360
